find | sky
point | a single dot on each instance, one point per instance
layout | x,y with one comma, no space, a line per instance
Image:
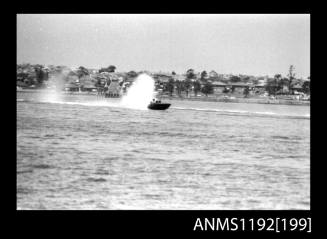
253,44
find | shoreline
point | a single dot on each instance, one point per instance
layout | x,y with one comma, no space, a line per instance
203,99
242,100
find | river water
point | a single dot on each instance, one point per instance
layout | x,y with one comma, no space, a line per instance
89,153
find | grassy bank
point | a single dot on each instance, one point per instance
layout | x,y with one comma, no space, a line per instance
62,92
240,100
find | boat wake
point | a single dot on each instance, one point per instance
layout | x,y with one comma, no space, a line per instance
246,113
119,104
99,103
90,103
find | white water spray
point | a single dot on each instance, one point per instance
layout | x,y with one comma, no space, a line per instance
53,95
140,93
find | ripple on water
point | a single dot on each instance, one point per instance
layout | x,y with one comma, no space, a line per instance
96,180
23,190
25,171
111,158
42,166
102,172
295,137
179,160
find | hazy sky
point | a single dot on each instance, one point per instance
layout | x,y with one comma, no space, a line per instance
238,44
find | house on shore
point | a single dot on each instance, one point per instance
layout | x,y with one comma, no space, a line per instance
21,85
297,87
129,79
259,88
219,86
238,87
162,78
114,89
179,77
89,87
73,87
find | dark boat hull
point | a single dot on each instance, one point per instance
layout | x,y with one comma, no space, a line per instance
158,106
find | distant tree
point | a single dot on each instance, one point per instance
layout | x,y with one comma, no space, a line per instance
187,85
40,75
235,79
277,77
38,66
132,74
179,87
246,92
46,75
29,80
255,81
170,86
291,77
246,79
82,71
190,74
283,82
109,69
213,75
21,76
306,87
173,73
196,87
207,88
271,86
277,83
204,75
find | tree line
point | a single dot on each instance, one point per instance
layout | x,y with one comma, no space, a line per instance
190,83
38,74
278,84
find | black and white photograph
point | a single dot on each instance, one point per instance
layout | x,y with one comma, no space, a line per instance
163,112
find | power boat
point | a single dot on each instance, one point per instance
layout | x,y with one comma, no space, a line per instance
157,105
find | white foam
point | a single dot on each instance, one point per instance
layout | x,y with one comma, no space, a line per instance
94,103
242,112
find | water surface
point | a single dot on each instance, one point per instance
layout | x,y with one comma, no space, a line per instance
82,154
